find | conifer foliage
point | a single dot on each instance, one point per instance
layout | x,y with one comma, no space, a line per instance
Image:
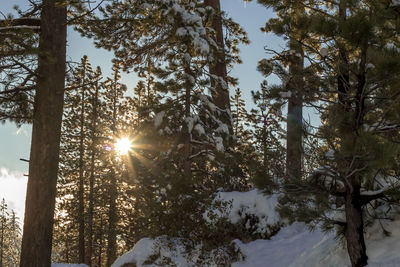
10,236
351,86
148,161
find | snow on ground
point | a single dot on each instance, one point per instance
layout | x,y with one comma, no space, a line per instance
286,248
253,202
140,253
68,265
293,245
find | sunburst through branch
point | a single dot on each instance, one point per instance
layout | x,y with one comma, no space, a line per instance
123,146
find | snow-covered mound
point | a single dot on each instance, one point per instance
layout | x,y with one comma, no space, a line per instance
253,209
68,265
292,245
143,249
295,246
251,202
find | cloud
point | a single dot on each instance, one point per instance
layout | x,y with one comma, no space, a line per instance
22,130
13,190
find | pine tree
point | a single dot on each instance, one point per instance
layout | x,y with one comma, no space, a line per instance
218,68
287,25
14,239
43,163
266,131
114,91
3,229
239,116
18,63
172,46
94,168
79,153
10,237
358,134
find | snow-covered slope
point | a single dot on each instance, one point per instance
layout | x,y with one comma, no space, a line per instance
293,245
68,265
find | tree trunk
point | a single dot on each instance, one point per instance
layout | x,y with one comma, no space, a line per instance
294,137
343,77
89,252
221,94
81,205
112,221
187,134
46,132
100,245
354,228
3,225
112,212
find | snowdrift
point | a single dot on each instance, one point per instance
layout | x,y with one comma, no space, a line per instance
68,265
293,245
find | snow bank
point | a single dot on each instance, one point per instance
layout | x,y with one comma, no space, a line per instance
292,246
282,249
295,246
245,207
138,254
165,251
68,265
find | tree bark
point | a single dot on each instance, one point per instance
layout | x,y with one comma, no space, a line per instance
89,252
100,259
46,132
3,225
81,205
221,93
112,212
354,227
112,220
294,134
187,134
343,77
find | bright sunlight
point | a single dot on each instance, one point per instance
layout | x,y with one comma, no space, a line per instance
123,145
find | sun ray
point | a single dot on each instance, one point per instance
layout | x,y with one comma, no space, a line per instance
143,160
123,146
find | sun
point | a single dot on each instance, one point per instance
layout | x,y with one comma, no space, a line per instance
123,146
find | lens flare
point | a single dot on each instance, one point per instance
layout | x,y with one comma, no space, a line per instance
123,146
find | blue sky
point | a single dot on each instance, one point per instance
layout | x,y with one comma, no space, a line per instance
15,143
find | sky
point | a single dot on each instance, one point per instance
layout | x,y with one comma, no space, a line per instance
15,142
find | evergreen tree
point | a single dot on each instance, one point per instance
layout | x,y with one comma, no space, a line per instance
239,116
10,237
288,24
18,63
94,168
79,152
14,239
114,112
267,134
3,229
347,75
173,43
43,162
